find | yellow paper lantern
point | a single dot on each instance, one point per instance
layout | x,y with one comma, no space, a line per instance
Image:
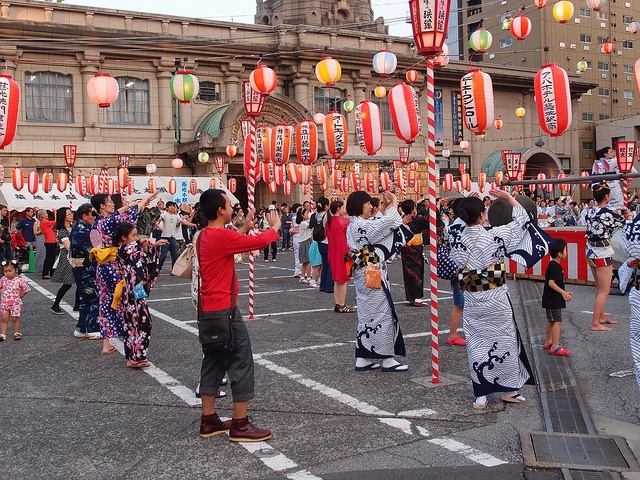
520,112
380,91
328,71
563,11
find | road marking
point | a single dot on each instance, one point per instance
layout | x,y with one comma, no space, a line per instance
421,412
275,461
467,451
621,373
303,475
295,312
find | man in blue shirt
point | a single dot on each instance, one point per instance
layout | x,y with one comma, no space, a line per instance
26,226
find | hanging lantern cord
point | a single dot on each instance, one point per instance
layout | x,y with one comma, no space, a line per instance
4,63
184,65
546,53
101,62
259,60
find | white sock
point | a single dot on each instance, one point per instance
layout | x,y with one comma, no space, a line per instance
362,362
481,400
389,362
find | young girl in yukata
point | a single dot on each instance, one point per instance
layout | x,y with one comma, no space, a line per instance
13,287
137,263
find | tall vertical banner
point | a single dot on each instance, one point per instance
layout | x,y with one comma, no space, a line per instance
438,117
456,115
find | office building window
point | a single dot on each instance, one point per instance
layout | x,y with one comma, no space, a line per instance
628,69
587,117
628,44
132,105
603,65
627,18
628,94
506,42
327,99
603,116
602,40
209,92
588,146
585,12
603,92
48,97
585,38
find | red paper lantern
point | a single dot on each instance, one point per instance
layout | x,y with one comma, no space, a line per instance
414,166
278,171
177,163
321,174
263,143
499,177
412,75
253,101
417,187
335,134
47,182
344,184
151,184
273,187
17,178
498,124
306,142
493,185
384,180
123,179
281,136
520,27
318,118
193,186
553,99
466,182
232,185
405,112
477,101
103,89
482,180
549,187
336,177
231,150
111,185
263,80
541,176
218,162
172,186
412,179
305,189
63,182
608,47
447,182
10,107
585,186
305,174
287,188
93,184
458,185
81,185
130,187
429,21
292,173
368,127
268,172
539,3
32,182
355,180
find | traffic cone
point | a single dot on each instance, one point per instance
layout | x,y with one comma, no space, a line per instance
32,260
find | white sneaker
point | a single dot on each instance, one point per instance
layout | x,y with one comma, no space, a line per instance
266,260
304,280
79,334
313,284
93,336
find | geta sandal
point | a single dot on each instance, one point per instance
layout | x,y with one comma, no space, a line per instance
514,398
17,336
3,337
138,364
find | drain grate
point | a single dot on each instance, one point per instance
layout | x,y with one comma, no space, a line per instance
591,475
582,452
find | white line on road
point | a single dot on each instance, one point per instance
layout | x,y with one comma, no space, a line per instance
467,451
303,475
276,461
295,312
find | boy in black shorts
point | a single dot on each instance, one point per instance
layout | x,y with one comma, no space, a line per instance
555,298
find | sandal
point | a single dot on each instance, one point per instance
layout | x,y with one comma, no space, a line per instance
481,406
17,336
138,364
457,341
343,309
513,398
546,346
3,337
560,351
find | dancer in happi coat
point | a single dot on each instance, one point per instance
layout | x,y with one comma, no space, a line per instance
497,360
412,256
372,242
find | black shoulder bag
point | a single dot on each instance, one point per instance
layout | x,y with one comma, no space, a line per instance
217,330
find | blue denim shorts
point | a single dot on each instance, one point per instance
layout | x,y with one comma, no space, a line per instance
458,295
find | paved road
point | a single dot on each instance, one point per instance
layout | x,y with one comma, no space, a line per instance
68,412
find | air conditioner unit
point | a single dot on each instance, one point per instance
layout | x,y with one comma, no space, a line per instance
572,46
603,25
629,104
585,48
629,78
562,45
604,75
615,89
491,56
576,20
604,101
627,4
620,52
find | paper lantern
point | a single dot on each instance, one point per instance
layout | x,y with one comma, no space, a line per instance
332,163
17,178
103,89
539,3
268,172
585,186
306,142
130,187
636,73
10,107
355,181
520,111
305,174
218,162
344,184
399,179
499,177
263,80
328,71
281,138
581,66
633,27
412,178
263,143
335,134
477,101
292,173
498,123
193,186
177,163
442,59
458,185
417,187
232,185
380,91
81,185
172,186
273,188
506,23
553,99
348,106
563,186
541,176
596,5
464,144
151,185
336,178
563,11
608,47
151,168
318,118
447,182
446,153
482,180
466,182
520,27
253,101
93,184
32,182
493,185
214,183
231,150
305,190
429,22
480,40
287,188
404,107
549,187
111,185
412,75
123,179
47,182
413,166
279,174
203,157
384,63
62,182
368,127
384,180
184,86
321,174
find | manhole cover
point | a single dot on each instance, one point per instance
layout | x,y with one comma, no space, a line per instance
584,452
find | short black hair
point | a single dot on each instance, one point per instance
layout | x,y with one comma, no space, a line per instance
98,200
557,247
356,201
300,214
375,202
322,203
170,204
407,206
470,209
118,203
210,201
122,230
84,209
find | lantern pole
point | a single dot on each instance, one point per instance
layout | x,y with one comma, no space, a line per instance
251,204
433,266
70,160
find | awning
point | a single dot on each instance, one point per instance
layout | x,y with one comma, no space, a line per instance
21,200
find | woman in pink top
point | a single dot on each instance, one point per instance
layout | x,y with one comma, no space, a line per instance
336,231
46,227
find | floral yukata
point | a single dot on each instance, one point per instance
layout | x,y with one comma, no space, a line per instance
601,224
107,276
10,300
136,265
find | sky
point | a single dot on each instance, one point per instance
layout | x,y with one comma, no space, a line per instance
393,11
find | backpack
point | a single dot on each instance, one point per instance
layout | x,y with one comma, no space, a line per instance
318,228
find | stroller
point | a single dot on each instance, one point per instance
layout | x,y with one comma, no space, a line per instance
20,250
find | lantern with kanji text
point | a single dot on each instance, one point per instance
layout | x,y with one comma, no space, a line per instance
404,107
368,127
233,183
306,142
625,153
321,174
335,134
511,161
553,99
429,21
47,182
477,101
253,101
193,186
281,137
10,108
218,162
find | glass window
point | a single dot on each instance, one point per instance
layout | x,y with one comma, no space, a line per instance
603,92
209,92
585,38
603,40
627,18
603,65
506,42
628,69
327,99
627,44
587,117
385,113
603,116
589,65
48,97
603,15
588,146
629,94
585,12
132,105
